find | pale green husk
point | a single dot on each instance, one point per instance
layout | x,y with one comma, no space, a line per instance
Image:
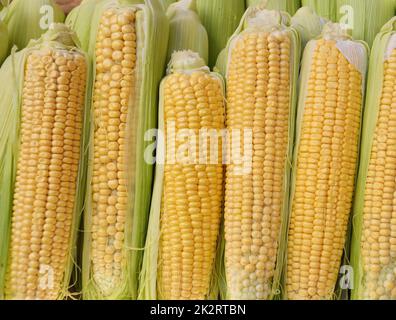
60,38
152,36
3,42
324,8
270,20
181,61
186,30
220,18
368,16
373,101
308,24
335,32
167,3
27,20
290,6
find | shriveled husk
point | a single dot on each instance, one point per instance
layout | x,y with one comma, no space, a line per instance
186,31
152,29
383,45
28,20
220,18
61,38
259,19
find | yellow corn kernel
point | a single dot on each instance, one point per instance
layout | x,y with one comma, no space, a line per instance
192,194
258,84
378,242
46,177
114,86
325,174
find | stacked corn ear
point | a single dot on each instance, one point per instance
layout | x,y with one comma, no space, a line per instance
324,8
3,42
186,31
325,161
262,63
365,18
28,20
127,44
308,24
290,6
41,166
220,18
374,234
188,192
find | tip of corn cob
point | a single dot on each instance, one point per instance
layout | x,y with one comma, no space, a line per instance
186,60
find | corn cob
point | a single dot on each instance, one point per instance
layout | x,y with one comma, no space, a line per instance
188,193
328,128
324,8
186,31
368,16
40,181
33,17
261,83
128,46
374,234
290,6
220,18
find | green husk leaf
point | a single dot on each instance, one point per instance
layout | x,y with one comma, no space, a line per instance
324,8
308,24
220,18
271,21
61,38
290,6
28,20
368,16
373,101
3,42
167,3
181,61
186,30
359,57
152,36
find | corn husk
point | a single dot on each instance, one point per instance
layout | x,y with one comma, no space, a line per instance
290,6
152,36
308,24
384,44
367,17
356,52
181,62
186,31
260,19
220,18
77,21
61,38
28,20
324,8
3,42
167,3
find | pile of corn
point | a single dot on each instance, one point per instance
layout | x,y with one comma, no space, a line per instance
198,149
